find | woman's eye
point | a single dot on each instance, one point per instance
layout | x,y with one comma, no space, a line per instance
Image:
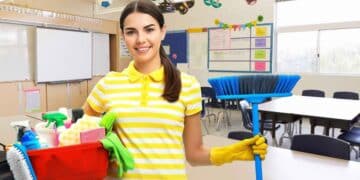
129,32
149,30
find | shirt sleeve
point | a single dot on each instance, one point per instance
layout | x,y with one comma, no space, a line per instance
193,98
97,97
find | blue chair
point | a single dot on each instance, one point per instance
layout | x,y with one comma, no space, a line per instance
240,135
346,95
205,114
353,137
248,124
322,145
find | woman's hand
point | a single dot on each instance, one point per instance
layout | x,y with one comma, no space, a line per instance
242,150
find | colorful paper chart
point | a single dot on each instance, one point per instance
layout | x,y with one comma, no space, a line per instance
260,31
260,66
260,54
260,42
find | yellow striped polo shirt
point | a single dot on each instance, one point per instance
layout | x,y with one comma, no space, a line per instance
148,125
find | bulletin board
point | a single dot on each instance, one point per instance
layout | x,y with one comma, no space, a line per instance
175,45
246,50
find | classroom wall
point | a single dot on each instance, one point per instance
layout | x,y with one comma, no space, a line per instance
235,11
231,12
74,7
328,83
52,96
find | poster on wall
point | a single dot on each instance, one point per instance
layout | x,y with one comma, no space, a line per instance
240,50
32,99
175,45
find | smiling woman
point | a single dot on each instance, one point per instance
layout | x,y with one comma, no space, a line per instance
157,106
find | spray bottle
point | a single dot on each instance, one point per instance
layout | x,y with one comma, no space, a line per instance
21,127
25,135
56,117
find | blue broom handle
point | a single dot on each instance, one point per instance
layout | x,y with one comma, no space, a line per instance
255,115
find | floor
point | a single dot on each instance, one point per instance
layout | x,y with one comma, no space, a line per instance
236,124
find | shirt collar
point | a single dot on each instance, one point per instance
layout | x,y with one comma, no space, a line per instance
134,75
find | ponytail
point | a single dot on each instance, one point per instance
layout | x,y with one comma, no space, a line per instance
172,78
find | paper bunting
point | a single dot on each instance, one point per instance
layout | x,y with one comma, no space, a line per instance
250,24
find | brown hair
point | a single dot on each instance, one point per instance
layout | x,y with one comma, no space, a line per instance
172,74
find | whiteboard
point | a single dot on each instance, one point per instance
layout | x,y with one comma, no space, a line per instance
62,55
101,54
16,45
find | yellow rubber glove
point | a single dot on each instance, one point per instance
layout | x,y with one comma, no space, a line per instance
242,150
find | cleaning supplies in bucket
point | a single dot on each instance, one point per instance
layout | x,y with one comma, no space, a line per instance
56,117
21,127
19,163
47,135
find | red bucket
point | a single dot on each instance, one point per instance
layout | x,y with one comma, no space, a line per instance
83,161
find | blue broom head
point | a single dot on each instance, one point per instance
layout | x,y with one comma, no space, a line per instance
253,84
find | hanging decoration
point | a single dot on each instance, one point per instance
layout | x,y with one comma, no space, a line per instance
251,2
239,27
213,3
168,6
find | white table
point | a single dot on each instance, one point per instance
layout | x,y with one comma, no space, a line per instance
339,113
280,164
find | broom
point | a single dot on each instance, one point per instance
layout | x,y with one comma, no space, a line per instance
255,89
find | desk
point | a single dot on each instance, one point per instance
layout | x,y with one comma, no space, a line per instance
339,113
280,164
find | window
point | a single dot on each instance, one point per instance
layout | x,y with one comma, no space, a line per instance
340,51
318,41
297,52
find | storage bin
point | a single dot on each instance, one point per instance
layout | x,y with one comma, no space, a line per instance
83,161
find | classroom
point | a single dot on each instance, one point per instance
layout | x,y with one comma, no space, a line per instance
54,54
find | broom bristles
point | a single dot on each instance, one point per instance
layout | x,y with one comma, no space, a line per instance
253,84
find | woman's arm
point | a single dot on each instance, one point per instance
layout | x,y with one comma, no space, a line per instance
196,153
90,111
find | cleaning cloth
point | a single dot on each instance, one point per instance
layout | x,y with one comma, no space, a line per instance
113,145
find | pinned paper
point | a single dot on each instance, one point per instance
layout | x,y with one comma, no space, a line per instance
260,66
260,31
260,42
167,49
32,96
260,54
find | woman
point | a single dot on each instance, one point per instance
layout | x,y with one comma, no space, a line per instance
158,107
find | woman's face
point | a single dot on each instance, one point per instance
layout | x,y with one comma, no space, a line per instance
143,35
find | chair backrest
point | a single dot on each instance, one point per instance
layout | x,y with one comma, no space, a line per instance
322,145
210,93
239,135
203,111
246,115
313,93
207,91
346,95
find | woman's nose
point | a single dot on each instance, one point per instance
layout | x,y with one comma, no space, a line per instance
141,38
